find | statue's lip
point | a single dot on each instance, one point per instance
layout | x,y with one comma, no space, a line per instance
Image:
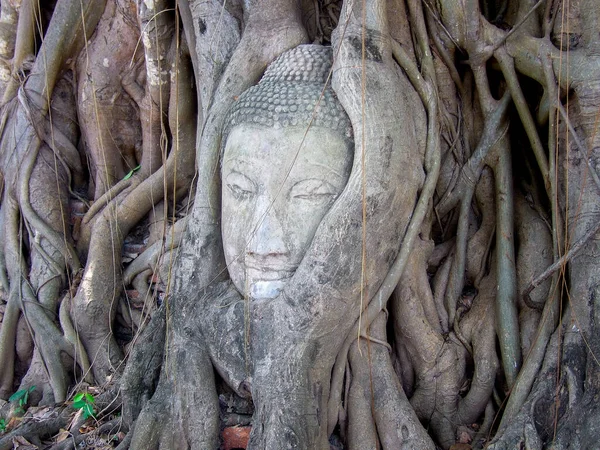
268,272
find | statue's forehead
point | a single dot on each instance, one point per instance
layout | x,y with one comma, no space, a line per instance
268,148
251,139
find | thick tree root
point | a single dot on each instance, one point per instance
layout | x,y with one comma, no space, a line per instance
34,429
182,413
143,369
380,415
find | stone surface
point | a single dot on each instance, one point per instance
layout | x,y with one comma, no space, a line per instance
278,184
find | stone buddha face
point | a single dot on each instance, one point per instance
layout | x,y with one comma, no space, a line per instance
277,185
279,175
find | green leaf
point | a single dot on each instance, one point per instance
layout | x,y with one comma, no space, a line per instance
3,426
79,404
88,411
78,397
128,176
89,398
18,395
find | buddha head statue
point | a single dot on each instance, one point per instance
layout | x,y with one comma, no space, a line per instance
287,156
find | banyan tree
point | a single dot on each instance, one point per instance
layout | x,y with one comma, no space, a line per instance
347,224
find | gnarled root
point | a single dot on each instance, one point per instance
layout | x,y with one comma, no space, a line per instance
183,411
143,369
378,409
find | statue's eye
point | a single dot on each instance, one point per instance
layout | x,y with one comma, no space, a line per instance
240,186
313,189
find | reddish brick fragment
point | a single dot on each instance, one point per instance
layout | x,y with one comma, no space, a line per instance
235,438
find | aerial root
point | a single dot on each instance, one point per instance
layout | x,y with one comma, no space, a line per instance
8,330
484,430
508,70
149,258
79,354
106,198
480,329
34,220
8,333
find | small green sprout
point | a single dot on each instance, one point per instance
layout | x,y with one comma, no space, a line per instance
22,397
130,174
2,426
85,402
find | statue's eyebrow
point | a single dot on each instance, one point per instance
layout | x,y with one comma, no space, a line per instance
239,159
330,169
242,174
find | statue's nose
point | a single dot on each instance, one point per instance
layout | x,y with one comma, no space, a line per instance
268,235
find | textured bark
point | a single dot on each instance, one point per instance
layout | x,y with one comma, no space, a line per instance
449,296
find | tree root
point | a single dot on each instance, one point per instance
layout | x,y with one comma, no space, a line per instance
149,258
506,296
80,355
76,439
561,263
164,422
106,198
36,429
139,378
94,306
44,218
377,398
479,329
432,162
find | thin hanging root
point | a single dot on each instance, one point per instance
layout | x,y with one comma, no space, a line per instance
535,356
471,171
579,144
441,47
80,355
470,174
56,240
11,314
560,264
508,70
506,315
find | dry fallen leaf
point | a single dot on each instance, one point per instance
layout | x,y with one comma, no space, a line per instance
20,443
62,435
84,429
